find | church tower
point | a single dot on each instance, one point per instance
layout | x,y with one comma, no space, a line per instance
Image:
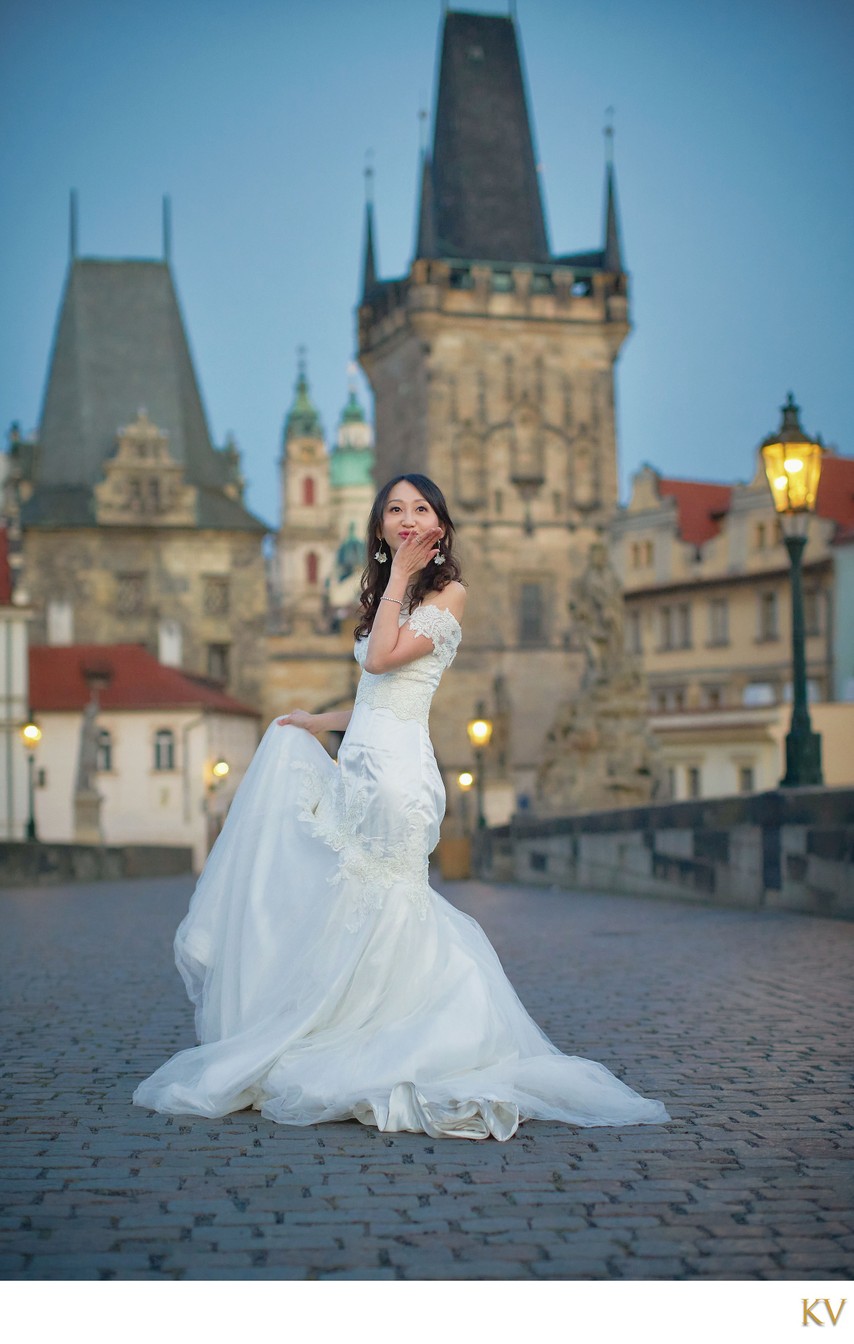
307,539
492,365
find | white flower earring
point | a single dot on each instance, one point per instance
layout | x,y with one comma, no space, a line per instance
380,555
439,558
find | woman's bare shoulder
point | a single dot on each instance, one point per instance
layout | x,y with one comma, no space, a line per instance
452,596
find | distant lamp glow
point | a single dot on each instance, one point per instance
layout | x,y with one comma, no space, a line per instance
31,734
792,464
480,732
465,780
220,770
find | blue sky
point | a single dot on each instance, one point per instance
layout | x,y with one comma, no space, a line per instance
734,123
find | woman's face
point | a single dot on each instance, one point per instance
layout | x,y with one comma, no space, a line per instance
406,511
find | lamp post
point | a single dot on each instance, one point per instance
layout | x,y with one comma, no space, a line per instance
31,736
793,467
479,731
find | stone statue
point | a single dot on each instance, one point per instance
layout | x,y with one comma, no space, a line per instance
599,752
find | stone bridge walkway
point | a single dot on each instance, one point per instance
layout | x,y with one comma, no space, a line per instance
740,1021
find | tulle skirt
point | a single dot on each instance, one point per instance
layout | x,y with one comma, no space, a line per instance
330,982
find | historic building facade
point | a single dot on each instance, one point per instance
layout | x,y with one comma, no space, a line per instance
492,365
327,493
128,525
708,611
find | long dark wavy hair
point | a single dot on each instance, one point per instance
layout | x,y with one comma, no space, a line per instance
432,579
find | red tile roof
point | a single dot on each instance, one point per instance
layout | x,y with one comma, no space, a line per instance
5,571
700,506
836,490
132,679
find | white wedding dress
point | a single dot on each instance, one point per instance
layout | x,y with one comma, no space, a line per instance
330,981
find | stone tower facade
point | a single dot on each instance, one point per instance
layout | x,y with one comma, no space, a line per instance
130,525
492,365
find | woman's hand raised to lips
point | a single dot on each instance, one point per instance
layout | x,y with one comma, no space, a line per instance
416,551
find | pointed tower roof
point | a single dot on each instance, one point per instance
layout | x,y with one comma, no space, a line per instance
612,256
484,173
120,344
425,243
369,265
303,420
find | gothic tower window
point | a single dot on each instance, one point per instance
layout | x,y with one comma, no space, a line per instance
308,490
130,594
311,567
532,614
164,749
218,662
216,595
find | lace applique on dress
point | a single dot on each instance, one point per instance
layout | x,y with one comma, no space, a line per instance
408,690
441,625
372,866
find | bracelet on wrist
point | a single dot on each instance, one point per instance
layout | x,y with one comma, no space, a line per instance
398,600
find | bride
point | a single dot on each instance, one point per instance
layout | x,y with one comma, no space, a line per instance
330,981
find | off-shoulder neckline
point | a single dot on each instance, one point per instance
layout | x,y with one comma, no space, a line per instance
431,606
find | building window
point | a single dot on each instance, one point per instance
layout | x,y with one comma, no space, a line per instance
308,490
671,782
813,603
759,693
104,749
164,749
311,567
532,614
760,536
130,594
634,637
694,781
677,702
642,554
713,697
218,661
768,616
746,782
556,502
675,626
216,596
658,702
718,621
499,502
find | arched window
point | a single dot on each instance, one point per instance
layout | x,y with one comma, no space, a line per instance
104,760
164,749
308,490
311,567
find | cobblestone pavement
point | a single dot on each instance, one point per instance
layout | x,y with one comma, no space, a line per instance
741,1022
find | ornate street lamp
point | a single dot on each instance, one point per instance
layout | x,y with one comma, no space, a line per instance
479,731
31,736
793,467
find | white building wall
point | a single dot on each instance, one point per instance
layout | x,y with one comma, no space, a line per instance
14,707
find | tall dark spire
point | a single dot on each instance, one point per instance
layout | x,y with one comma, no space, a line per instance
369,265
72,226
425,243
484,169
612,258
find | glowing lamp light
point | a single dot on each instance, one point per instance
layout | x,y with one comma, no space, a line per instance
31,734
480,732
220,769
792,464
465,780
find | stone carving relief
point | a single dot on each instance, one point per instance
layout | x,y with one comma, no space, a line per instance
143,482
